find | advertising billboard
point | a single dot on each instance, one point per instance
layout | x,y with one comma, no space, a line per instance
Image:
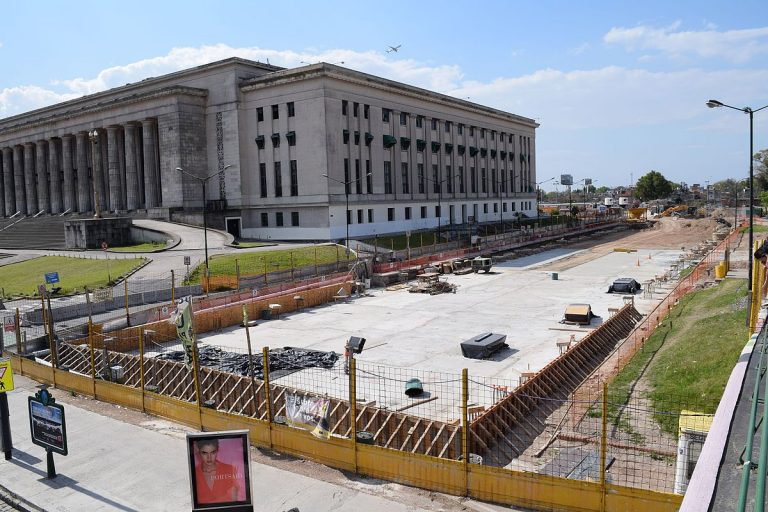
566,179
219,471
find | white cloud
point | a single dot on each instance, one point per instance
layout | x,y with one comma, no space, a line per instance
579,49
14,100
732,45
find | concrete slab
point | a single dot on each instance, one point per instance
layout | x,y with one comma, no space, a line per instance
419,335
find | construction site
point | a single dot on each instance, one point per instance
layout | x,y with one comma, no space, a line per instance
495,368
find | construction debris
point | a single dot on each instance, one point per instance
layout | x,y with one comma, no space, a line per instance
430,283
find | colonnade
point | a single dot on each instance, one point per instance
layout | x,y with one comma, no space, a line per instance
116,168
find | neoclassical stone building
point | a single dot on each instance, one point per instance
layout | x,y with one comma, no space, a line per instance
302,144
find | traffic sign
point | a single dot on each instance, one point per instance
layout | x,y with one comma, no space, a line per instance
6,375
187,260
51,277
104,246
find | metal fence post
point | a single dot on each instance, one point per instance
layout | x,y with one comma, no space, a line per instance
127,309
93,356
173,287
141,367
237,273
267,391
17,332
465,426
353,407
603,446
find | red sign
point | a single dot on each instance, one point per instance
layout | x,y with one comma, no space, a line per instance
9,324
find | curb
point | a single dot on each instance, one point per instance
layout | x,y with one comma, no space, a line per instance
17,502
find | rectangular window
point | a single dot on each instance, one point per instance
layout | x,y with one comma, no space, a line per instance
345,136
420,170
482,133
403,118
343,107
387,177
435,181
448,179
358,178
275,112
483,180
349,216
471,131
278,180
461,129
493,135
294,178
260,114
355,109
437,212
370,215
264,220
263,180
473,180
407,213
357,138
385,115
368,177
434,124
504,207
495,207
390,214
494,181
291,110
419,121
423,212
279,219
346,176
406,181
485,207
366,110
447,127
461,179
294,219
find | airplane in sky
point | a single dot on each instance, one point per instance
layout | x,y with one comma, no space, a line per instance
393,48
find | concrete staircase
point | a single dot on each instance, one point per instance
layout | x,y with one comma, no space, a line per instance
44,232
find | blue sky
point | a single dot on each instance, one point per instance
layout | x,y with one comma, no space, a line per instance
618,87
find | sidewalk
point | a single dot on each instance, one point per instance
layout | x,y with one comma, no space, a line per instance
118,466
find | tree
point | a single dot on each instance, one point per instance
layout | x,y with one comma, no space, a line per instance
652,186
760,163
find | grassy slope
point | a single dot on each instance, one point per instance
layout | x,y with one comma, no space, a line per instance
688,359
74,273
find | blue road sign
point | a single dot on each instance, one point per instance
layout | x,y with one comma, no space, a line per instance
52,277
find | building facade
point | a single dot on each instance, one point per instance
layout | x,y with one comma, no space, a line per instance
286,151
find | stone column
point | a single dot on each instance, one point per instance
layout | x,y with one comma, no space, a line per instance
2,187
151,182
43,186
121,166
98,181
70,199
113,165
8,182
54,174
131,170
18,176
30,179
83,181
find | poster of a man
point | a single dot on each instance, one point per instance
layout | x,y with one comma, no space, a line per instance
219,470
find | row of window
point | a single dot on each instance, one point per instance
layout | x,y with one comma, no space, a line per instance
279,222
275,111
408,211
275,138
278,179
386,114
498,180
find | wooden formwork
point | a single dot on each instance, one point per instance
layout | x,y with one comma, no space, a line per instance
505,430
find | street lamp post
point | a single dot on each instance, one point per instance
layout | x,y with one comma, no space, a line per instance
439,199
751,112
203,181
93,135
347,184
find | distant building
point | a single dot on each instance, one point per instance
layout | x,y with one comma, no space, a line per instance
401,156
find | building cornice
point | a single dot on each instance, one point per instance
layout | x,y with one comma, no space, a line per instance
324,70
55,114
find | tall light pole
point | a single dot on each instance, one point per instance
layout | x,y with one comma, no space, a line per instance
93,135
439,198
203,181
347,184
751,112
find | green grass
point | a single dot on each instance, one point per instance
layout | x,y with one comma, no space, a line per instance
252,263
74,273
756,228
144,247
701,338
398,242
